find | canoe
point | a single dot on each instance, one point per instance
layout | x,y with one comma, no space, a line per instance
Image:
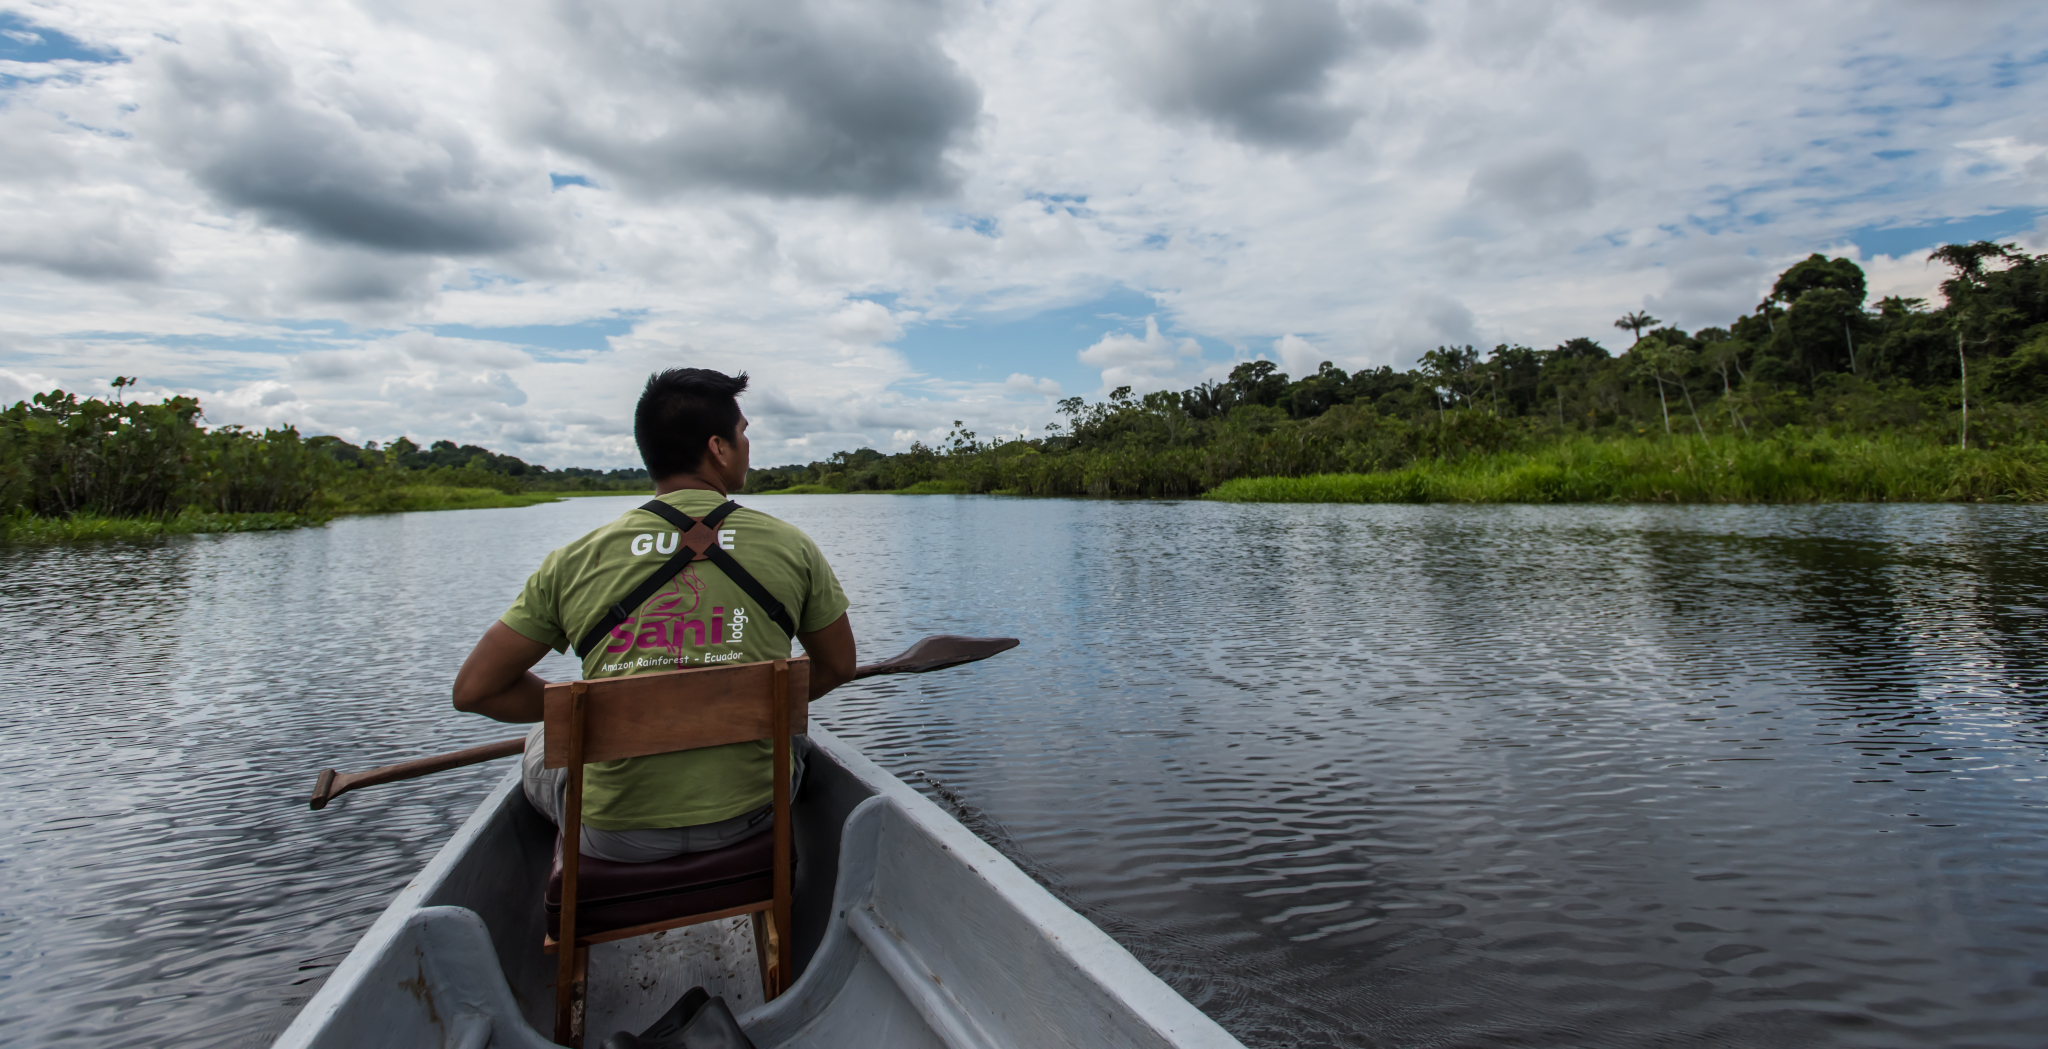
909,932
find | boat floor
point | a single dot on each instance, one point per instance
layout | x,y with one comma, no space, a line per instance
632,982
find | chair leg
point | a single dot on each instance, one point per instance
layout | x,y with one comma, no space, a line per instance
569,1008
767,952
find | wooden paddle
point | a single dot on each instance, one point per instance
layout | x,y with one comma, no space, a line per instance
933,653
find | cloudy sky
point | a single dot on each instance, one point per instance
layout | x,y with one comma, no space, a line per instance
490,221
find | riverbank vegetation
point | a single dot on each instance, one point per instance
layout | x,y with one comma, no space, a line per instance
1787,468
76,468
1813,396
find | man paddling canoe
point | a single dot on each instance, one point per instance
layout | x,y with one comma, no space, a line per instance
621,597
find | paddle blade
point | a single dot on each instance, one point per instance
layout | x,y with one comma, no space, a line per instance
937,653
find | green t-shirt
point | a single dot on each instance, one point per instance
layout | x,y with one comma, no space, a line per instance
699,617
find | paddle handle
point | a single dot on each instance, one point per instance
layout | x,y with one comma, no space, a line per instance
332,785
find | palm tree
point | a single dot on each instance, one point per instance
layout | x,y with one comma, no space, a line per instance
1634,323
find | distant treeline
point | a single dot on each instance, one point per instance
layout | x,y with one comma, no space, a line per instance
63,456
511,474
1811,359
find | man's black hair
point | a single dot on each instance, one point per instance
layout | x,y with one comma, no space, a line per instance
679,413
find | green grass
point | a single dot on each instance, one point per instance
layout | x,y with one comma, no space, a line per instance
920,488
437,497
935,488
803,489
31,531
1685,470
26,531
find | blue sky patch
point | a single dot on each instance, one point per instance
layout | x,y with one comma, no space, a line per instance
1902,241
2006,72
562,338
558,180
1075,204
983,224
318,325
1043,345
242,343
24,41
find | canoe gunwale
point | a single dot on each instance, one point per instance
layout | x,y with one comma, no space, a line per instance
859,900
390,926
883,856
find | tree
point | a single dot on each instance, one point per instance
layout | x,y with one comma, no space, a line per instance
1819,325
402,453
1634,323
2024,374
1315,394
1816,272
1258,382
1516,372
1209,400
1721,352
1166,406
1968,261
1584,349
1449,369
960,440
2004,303
1677,358
1976,305
1662,356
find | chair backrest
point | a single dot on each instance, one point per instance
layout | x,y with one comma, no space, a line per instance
642,714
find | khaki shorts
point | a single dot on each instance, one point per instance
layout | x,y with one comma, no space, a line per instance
548,789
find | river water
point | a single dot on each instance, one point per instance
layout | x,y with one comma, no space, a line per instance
1344,776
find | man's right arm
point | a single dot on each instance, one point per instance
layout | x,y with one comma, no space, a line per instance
831,652
497,680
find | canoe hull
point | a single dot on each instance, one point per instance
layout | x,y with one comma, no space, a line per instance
915,933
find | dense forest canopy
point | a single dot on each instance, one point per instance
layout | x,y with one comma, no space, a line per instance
403,454
1813,354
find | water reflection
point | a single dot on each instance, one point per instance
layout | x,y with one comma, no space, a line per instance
1344,775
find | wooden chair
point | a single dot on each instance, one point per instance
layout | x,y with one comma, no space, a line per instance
630,717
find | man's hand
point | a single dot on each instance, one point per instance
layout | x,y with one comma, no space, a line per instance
496,681
831,652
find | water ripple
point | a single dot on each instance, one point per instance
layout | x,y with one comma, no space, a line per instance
1344,776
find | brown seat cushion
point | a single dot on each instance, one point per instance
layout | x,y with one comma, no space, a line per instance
621,895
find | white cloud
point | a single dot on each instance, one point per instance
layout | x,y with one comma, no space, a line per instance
1023,383
1912,277
92,241
1298,355
864,322
1542,182
273,206
20,386
789,97
1145,363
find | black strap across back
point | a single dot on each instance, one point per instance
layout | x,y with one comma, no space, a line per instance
685,553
